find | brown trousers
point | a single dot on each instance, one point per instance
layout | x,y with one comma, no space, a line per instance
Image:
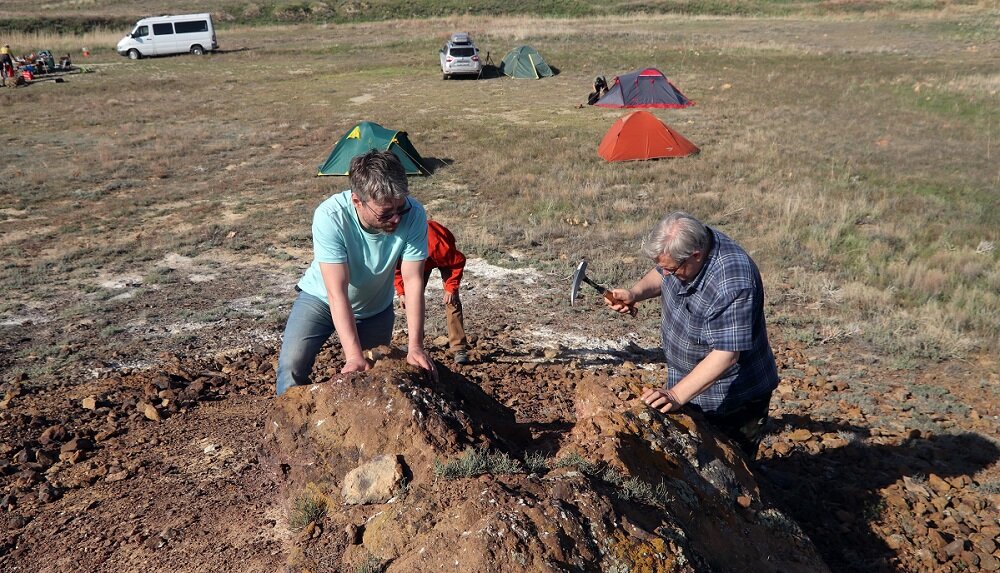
456,325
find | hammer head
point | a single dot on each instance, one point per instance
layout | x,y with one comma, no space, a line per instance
581,272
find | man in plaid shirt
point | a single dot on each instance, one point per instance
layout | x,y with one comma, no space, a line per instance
714,336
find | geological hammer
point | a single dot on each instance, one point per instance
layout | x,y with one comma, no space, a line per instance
580,276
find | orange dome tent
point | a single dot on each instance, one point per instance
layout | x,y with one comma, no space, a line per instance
640,135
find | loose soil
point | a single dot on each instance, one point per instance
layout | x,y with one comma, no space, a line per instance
152,464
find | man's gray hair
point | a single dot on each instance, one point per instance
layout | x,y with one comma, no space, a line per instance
378,176
678,235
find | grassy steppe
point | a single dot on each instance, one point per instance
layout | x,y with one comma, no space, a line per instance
856,158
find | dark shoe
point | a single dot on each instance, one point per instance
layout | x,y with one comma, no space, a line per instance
461,357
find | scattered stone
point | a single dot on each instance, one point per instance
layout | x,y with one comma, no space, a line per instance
89,403
988,562
938,484
150,412
954,548
373,482
744,501
800,435
77,444
47,493
897,501
8,502
781,448
354,534
52,435
116,476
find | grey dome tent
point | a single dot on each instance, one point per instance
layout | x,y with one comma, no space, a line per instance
525,62
644,88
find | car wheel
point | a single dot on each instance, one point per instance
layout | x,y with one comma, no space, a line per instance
197,50
444,76
134,54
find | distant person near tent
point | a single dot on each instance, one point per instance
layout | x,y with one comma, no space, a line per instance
358,237
644,88
6,64
600,89
365,137
443,254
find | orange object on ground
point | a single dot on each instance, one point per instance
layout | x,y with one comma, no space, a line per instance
640,135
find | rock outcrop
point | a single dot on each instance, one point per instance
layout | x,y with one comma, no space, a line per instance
620,489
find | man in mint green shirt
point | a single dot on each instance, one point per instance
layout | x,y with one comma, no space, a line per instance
358,236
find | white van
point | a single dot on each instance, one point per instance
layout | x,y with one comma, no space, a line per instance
162,35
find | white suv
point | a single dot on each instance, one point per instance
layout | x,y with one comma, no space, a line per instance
460,56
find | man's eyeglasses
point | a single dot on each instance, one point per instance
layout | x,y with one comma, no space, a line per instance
668,271
386,217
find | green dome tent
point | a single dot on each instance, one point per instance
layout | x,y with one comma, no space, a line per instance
525,62
366,136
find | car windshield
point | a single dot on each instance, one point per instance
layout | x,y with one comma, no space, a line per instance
463,52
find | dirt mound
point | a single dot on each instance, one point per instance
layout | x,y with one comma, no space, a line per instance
452,480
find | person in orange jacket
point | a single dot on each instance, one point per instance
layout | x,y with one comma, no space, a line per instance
442,254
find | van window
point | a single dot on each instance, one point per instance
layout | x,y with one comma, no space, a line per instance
141,32
191,27
163,29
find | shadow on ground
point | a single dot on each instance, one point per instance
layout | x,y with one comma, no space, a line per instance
835,494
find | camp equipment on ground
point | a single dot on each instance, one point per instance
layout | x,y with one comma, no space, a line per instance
525,62
366,136
644,88
640,135
580,276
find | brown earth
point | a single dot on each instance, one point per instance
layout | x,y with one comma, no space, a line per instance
159,456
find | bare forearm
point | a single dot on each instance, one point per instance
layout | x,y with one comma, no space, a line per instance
347,327
704,375
413,298
647,287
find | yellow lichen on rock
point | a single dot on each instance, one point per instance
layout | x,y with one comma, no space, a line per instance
644,555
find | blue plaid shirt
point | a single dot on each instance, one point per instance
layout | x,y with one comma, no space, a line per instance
720,309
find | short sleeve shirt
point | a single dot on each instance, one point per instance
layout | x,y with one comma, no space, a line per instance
720,309
371,258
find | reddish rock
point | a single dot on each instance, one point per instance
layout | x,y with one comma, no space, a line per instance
53,434
937,484
800,435
623,466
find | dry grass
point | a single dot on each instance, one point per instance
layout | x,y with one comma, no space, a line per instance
97,41
862,198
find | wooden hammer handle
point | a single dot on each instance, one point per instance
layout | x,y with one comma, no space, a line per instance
611,298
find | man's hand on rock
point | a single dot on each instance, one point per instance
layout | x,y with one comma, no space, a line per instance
357,364
418,357
661,399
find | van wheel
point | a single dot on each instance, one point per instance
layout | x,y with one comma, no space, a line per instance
197,50
134,54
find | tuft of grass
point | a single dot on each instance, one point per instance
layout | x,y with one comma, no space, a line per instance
536,462
307,508
478,462
577,461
